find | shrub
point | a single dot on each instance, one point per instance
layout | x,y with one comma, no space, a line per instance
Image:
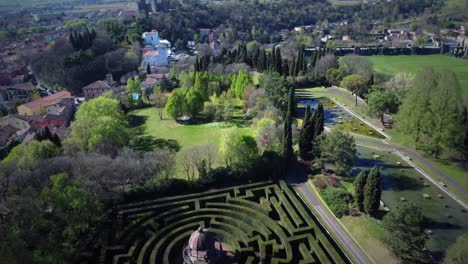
320,183
333,182
337,200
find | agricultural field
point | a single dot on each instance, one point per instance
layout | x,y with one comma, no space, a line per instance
394,64
256,223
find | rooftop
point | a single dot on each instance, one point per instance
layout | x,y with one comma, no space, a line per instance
47,99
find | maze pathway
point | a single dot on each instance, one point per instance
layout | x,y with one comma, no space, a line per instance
259,223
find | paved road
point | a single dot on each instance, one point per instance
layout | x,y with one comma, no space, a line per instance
406,151
416,156
298,179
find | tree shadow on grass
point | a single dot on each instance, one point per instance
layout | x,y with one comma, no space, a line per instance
150,143
135,121
400,182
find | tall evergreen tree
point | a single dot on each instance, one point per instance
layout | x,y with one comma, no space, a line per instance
288,151
307,136
314,58
359,186
372,192
148,69
278,61
319,121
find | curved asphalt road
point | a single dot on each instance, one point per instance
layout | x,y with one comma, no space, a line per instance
298,179
407,151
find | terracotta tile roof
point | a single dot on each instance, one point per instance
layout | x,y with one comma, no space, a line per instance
46,99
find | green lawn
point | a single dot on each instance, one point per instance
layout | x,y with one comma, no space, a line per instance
368,233
395,64
186,135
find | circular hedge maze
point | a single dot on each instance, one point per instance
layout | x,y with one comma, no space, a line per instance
258,223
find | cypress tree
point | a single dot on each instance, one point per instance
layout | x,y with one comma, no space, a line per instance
359,185
372,192
319,121
314,59
293,65
288,151
278,61
307,136
148,69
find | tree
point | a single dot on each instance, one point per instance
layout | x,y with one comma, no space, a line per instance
198,159
239,151
334,76
382,102
356,84
339,147
353,64
99,120
36,94
276,88
445,127
148,69
134,88
319,121
457,253
160,101
25,156
193,102
372,192
44,134
432,111
307,135
325,63
404,233
176,103
359,185
288,151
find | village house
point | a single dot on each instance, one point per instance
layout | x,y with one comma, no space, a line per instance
156,51
155,78
38,106
97,88
18,91
13,126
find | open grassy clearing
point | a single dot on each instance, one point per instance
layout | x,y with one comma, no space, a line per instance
368,232
148,123
411,64
258,223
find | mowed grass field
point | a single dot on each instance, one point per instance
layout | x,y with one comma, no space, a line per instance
394,64
186,135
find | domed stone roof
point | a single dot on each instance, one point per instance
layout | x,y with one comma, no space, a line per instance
201,240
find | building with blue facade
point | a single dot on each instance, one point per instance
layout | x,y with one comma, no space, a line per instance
156,51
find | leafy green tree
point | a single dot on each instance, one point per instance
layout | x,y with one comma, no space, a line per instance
71,205
276,88
334,76
432,112
239,151
176,103
382,102
193,102
356,84
97,121
339,147
457,253
359,185
445,127
372,192
134,87
25,156
404,233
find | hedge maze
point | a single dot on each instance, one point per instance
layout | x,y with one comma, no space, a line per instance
260,223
